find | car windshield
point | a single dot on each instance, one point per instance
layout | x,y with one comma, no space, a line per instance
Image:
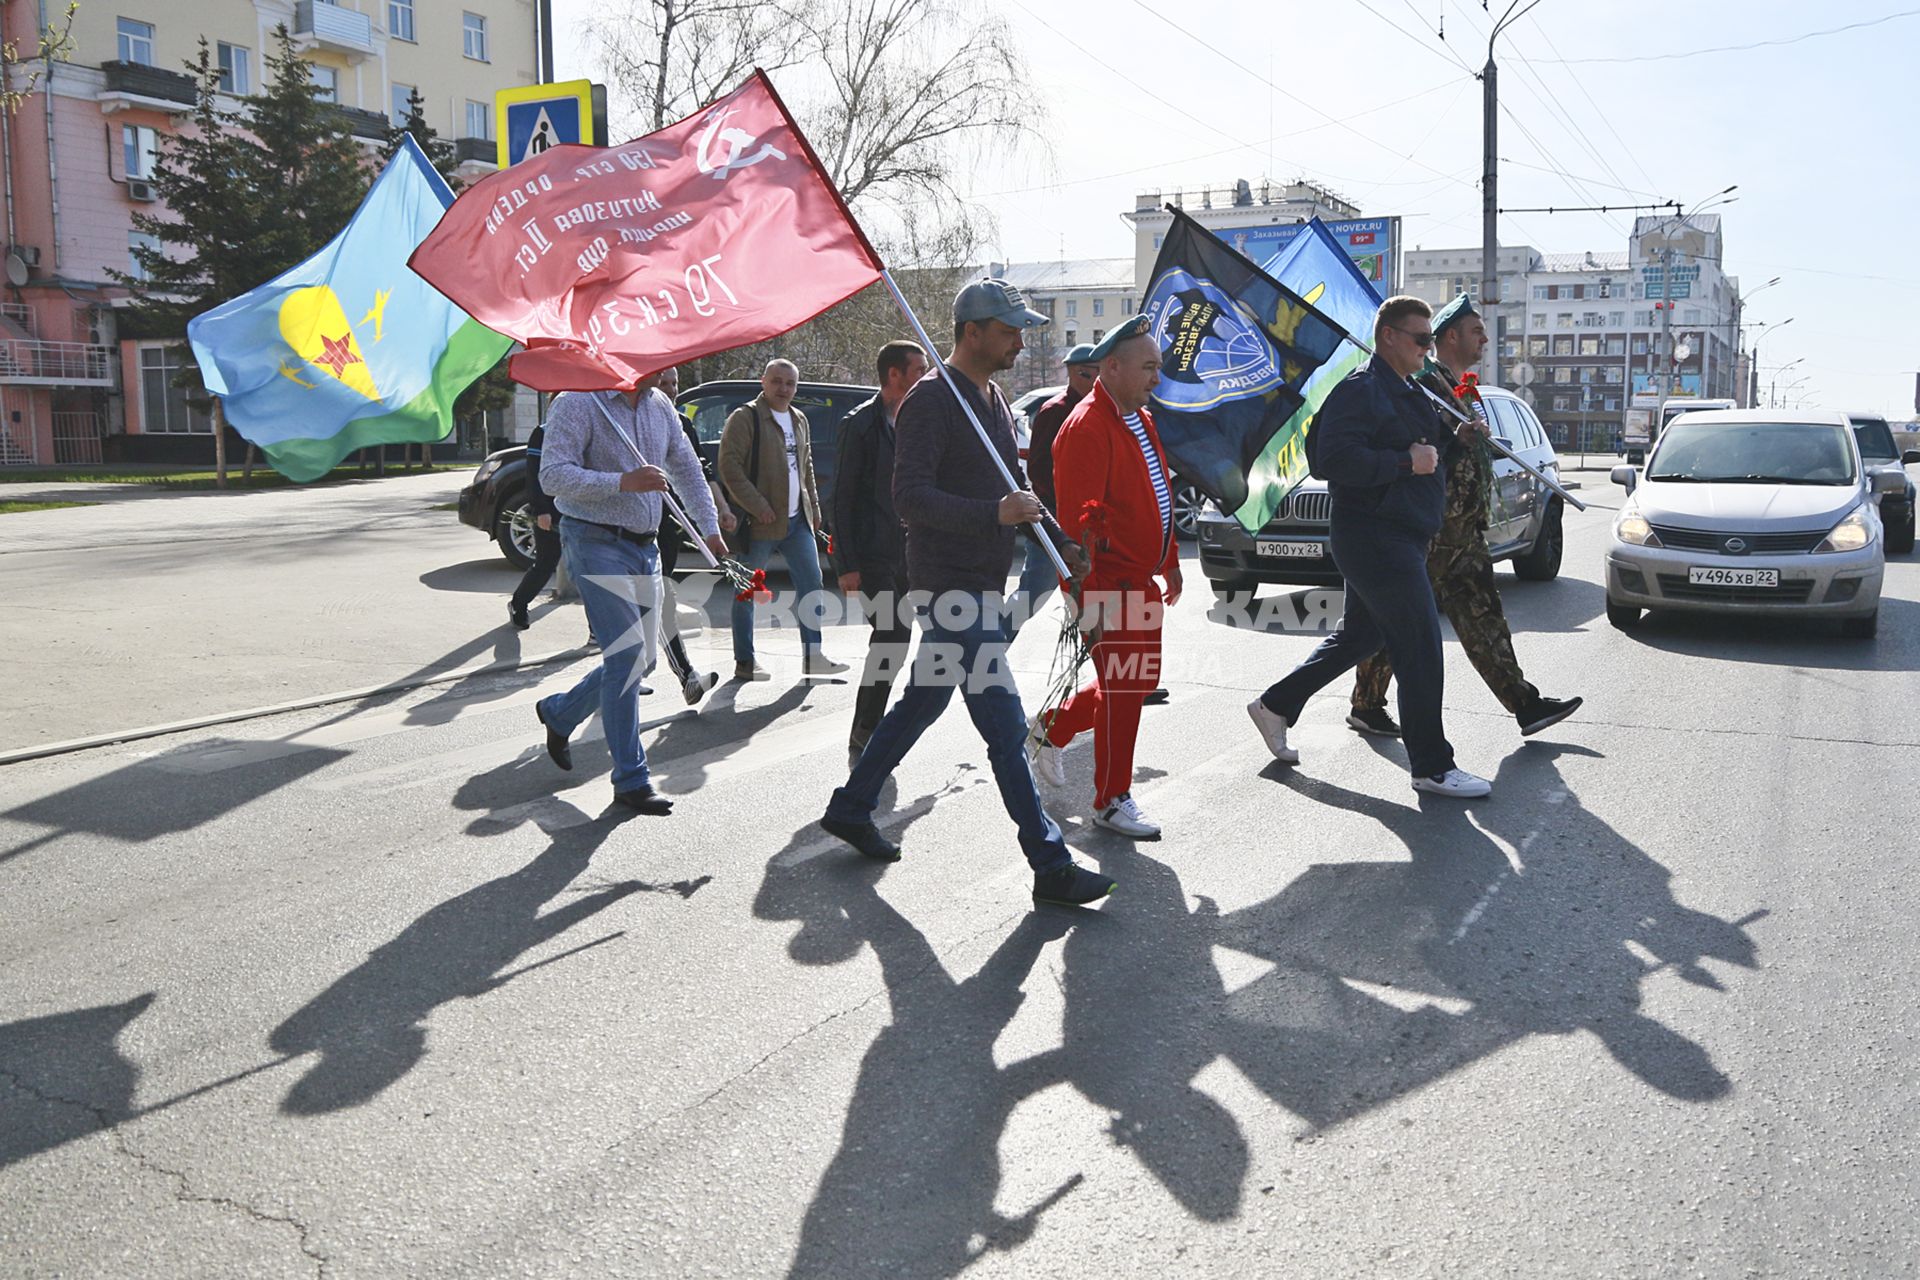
1876,440
1753,453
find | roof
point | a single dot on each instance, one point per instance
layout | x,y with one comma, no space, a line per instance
1583,262
1707,222
1104,274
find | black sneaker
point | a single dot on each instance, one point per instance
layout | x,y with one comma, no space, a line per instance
1544,713
1071,886
1373,720
864,837
1157,698
556,741
517,615
644,799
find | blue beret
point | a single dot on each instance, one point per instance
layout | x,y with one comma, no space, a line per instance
1128,329
1082,354
1458,309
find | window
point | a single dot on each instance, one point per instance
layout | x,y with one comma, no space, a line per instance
479,119
1126,306
1562,403
1586,377
1073,337
1611,403
1593,320
1073,308
1616,346
1563,375
1613,373
1563,346
1099,334
1690,316
1616,319
1639,346
1536,321
399,109
1589,346
1536,346
1539,293
138,145
137,240
1553,291
473,37
1579,291
1099,306
136,41
326,79
1643,319
236,73
400,19
1564,320
163,406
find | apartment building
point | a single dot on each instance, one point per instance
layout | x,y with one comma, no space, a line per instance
1084,297
73,387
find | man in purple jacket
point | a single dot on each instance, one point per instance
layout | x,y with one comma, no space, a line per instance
960,521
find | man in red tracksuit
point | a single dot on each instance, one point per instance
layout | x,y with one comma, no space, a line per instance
1111,483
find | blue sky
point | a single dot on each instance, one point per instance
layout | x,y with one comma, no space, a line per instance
1363,96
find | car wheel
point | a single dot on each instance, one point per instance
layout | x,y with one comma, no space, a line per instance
1861,628
1541,563
1189,504
513,530
1625,617
1900,537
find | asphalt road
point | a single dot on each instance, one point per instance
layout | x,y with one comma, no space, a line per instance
374,990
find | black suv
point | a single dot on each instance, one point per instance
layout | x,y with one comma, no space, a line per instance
496,499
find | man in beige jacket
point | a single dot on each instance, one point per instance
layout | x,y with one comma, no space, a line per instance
766,465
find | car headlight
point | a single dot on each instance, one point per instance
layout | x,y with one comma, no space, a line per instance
487,469
1854,531
1632,527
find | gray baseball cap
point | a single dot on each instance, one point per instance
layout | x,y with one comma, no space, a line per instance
995,300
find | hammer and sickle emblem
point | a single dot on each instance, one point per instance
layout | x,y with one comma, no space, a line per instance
738,143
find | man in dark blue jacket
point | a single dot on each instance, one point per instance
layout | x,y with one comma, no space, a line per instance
1380,444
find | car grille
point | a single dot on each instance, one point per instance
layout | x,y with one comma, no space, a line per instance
1312,507
1715,541
1675,586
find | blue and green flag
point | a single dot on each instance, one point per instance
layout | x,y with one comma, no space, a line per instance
1315,266
1236,349
349,349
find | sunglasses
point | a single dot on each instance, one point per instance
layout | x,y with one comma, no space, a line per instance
1419,339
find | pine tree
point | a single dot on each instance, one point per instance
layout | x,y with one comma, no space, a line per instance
248,195
440,153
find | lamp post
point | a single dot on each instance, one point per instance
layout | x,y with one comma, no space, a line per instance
1773,385
1735,323
1754,377
1490,181
1666,229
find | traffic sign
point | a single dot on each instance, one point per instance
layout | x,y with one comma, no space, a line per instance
531,118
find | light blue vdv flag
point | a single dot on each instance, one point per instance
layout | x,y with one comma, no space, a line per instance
1314,266
349,349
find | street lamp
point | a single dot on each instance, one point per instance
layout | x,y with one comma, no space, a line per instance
1773,393
1666,230
1736,324
1490,179
1754,380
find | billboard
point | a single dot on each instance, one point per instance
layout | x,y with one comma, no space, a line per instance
1372,243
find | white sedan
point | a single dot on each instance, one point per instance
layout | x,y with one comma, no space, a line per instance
1751,511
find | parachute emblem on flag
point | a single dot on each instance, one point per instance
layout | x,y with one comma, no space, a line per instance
1212,349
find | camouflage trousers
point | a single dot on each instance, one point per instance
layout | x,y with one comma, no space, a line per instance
1462,577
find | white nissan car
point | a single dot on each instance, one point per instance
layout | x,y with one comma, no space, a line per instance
1751,511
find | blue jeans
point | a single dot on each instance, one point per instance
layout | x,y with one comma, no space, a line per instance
1038,579
803,568
619,615
1389,605
974,657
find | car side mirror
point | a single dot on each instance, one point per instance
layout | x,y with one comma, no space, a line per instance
1909,457
1889,482
1626,477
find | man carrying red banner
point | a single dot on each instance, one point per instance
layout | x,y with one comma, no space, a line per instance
1110,476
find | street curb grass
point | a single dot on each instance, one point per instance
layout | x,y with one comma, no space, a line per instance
24,754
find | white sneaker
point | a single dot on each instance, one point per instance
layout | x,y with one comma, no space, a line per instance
1273,730
1124,817
695,686
1457,783
1049,762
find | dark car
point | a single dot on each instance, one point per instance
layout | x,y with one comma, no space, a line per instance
1523,526
1880,452
495,501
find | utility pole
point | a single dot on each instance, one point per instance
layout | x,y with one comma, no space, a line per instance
1489,208
1666,336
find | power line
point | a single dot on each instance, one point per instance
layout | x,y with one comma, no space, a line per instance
1740,48
1605,118
1592,182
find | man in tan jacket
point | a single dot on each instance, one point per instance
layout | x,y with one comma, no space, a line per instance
766,465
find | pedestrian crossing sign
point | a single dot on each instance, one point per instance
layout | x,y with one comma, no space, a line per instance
533,118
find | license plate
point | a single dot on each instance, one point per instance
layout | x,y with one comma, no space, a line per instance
1290,550
1716,576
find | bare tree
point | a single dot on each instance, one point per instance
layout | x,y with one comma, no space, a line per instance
670,57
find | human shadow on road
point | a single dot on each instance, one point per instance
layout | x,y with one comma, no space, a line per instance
1389,975
911,1191
491,575
64,1077
369,1026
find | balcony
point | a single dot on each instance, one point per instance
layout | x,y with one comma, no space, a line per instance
369,126
319,25
477,151
135,84
33,363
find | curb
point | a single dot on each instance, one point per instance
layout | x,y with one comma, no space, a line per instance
23,754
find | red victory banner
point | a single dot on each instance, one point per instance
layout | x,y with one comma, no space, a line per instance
611,263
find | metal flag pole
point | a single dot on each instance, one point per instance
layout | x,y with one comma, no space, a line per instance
666,495
1013,486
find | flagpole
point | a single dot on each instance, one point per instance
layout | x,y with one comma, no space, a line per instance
666,495
933,354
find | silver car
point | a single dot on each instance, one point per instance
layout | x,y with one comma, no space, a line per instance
1751,511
